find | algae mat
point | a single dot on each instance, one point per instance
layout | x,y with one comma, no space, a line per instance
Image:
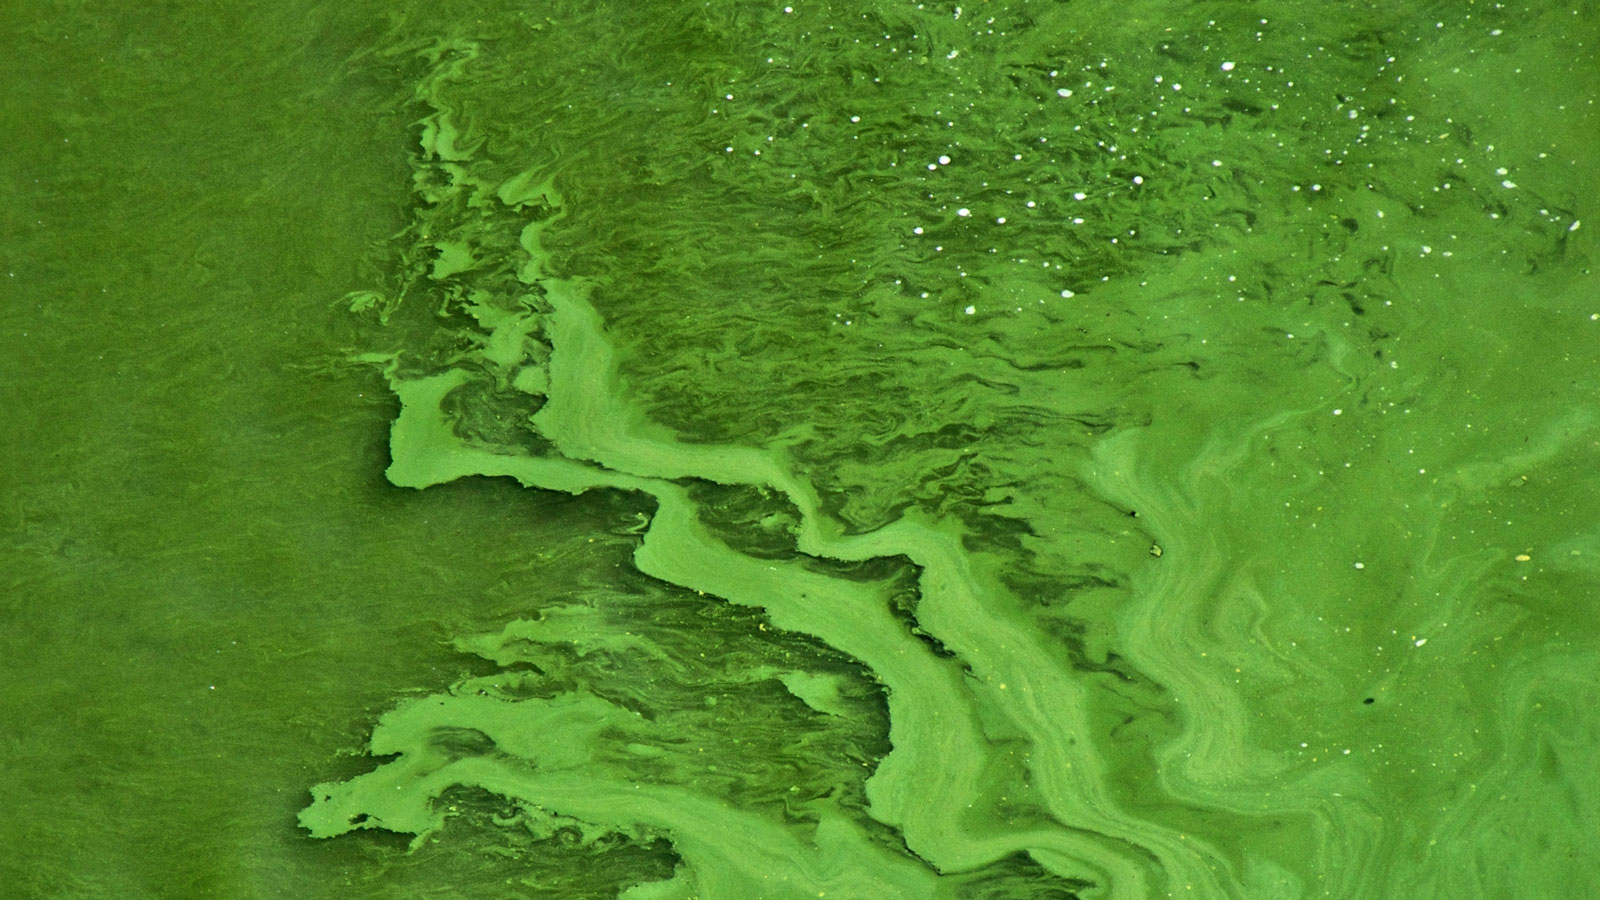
727,450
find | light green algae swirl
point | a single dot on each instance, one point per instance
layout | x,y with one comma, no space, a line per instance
942,774
1143,505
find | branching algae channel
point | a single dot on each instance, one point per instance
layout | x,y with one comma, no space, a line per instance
1017,450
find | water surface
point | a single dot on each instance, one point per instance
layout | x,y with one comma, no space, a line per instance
730,450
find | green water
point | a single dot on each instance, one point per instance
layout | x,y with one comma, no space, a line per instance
735,451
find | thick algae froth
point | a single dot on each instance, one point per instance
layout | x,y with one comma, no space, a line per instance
1114,442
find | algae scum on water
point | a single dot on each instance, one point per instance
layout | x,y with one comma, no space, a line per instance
1110,433
1017,450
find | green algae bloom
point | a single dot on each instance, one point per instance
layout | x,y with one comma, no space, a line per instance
1006,451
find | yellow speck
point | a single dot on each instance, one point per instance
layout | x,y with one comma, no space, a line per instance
1522,557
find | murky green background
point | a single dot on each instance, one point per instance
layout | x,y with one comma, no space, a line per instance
1275,447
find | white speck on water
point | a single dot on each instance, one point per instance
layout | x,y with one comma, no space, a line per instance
970,310
963,211
1227,67
944,160
1063,92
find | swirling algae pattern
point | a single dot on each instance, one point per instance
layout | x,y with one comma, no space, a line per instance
1075,402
